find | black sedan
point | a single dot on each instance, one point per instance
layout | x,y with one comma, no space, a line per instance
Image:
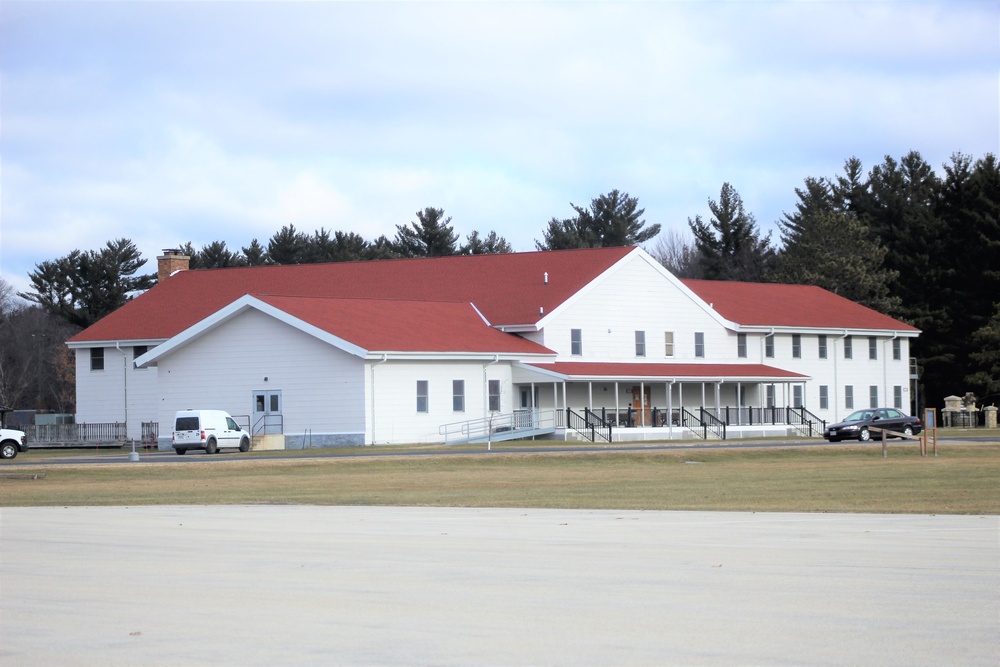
859,424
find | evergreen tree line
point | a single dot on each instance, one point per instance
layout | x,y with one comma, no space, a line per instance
917,246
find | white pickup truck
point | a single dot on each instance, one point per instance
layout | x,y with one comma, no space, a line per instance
11,442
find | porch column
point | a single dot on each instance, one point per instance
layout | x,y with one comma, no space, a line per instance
670,404
590,395
616,401
642,403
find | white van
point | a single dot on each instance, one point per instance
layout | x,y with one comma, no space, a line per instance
210,430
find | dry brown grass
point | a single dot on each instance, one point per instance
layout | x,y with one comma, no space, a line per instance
960,480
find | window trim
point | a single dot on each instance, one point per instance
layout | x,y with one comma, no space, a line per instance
493,390
424,406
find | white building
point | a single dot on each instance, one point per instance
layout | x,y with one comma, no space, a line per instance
438,349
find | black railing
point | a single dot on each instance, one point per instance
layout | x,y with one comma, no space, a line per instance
692,422
590,425
712,423
805,421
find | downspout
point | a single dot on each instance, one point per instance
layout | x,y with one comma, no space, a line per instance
118,346
385,358
836,379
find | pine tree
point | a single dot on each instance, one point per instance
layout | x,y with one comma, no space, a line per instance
288,246
83,287
491,245
613,219
730,245
430,236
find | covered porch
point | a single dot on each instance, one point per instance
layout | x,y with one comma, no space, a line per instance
668,401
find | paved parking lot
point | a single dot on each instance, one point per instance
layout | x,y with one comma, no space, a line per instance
267,585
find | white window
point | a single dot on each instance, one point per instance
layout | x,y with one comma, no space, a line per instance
873,396
668,343
897,349
458,395
849,397
769,346
897,397
770,396
640,343
797,396
848,348
797,347
576,342
422,402
97,358
699,344
741,346
824,397
872,347
822,346
495,395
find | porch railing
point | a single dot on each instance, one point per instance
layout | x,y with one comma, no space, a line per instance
804,421
712,423
590,425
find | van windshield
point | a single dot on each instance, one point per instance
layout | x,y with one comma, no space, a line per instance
186,424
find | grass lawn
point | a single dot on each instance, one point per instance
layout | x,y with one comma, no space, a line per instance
962,479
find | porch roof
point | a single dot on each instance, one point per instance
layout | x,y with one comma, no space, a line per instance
610,371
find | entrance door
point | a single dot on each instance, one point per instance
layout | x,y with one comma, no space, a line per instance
267,418
641,403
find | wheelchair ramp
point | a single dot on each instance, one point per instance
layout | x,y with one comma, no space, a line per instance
501,426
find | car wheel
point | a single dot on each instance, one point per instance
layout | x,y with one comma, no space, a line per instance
834,439
181,452
865,435
245,445
8,450
907,430
210,447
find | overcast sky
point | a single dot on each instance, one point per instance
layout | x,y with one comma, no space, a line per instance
167,122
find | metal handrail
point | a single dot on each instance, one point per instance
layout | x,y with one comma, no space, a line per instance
498,422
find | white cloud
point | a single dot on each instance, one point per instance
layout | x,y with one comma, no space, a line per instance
168,122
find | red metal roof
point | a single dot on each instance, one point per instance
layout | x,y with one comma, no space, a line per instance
404,326
507,289
777,305
584,369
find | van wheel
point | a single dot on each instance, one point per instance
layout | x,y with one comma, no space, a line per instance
210,447
245,445
181,452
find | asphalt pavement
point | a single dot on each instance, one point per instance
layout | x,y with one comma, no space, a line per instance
307,585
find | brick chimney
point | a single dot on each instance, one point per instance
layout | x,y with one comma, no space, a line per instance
170,262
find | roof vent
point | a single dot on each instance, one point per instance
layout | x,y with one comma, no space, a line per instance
546,277
541,310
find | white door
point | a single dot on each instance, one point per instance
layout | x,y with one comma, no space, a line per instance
267,416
